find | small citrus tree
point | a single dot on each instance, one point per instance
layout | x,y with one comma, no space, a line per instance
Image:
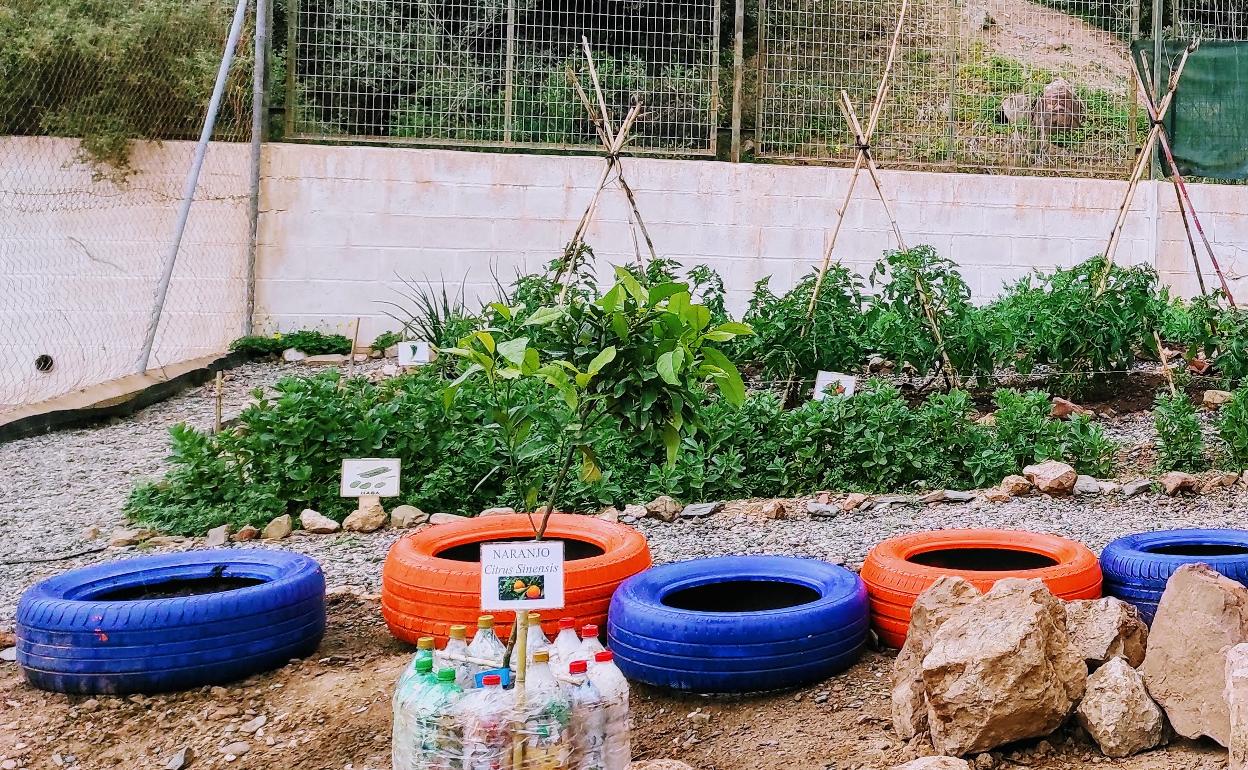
637,354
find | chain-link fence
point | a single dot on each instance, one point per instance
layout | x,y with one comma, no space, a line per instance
978,85
87,213
498,72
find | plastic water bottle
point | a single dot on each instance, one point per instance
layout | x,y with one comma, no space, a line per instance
485,717
485,645
456,645
407,695
545,719
588,739
613,688
432,739
537,641
566,645
590,646
424,651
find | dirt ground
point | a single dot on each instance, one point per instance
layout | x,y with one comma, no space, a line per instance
332,712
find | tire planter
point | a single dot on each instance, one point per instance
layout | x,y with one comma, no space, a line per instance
738,623
898,570
1136,567
432,579
170,622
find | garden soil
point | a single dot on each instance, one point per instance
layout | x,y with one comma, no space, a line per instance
332,712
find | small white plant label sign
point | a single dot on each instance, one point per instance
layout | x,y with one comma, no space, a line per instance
370,476
522,576
414,353
834,384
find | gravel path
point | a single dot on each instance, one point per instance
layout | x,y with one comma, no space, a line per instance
54,487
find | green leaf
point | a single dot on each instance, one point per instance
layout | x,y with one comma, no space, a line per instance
627,280
531,363
679,303
545,315
670,364
665,290
734,327
514,350
729,381
671,442
619,325
459,352
601,360
590,472
501,309
611,300
486,339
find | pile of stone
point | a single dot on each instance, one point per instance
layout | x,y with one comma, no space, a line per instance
982,670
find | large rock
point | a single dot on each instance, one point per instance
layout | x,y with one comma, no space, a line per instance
1175,482
1106,628
1001,669
1214,399
217,536
932,608
1059,109
124,537
1117,712
317,523
935,763
1236,694
446,518
1201,613
1052,477
277,529
405,516
366,518
663,508
1015,485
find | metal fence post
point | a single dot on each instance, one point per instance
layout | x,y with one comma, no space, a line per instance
509,73
738,73
1158,30
192,182
259,76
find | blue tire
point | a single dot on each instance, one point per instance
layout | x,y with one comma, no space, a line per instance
738,623
1136,567
92,631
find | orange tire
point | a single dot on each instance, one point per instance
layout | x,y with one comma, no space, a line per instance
898,570
432,579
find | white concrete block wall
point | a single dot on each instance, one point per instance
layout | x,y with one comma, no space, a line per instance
80,259
341,225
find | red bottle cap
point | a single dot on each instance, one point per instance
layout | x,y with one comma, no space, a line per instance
567,623
491,680
590,631
577,667
606,656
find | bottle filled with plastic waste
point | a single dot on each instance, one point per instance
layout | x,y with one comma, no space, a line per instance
485,717
566,645
485,645
613,688
452,656
407,695
424,651
588,739
537,641
544,718
590,644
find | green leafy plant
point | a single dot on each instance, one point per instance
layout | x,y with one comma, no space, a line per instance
309,341
385,340
1180,443
1232,426
634,356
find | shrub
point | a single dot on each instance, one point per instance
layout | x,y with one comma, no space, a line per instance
1180,444
308,341
1028,435
385,340
1232,426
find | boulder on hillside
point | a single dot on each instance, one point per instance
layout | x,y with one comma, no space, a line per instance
1059,109
1201,613
1117,712
932,608
1052,477
1106,628
1001,669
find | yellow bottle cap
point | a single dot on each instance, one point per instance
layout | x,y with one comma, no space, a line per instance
424,643
535,617
485,621
541,656
459,632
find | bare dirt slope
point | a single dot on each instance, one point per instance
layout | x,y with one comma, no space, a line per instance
332,712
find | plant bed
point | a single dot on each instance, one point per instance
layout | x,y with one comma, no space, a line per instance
896,571
170,622
431,580
738,623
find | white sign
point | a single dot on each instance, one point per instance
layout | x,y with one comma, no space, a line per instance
414,353
522,576
370,476
835,384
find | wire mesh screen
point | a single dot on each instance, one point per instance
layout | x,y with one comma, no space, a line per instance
993,85
87,212
1210,19
499,72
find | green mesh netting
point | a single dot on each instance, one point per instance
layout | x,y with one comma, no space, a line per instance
1208,123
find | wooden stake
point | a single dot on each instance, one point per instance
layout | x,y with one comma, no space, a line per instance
355,340
216,420
1165,363
521,627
